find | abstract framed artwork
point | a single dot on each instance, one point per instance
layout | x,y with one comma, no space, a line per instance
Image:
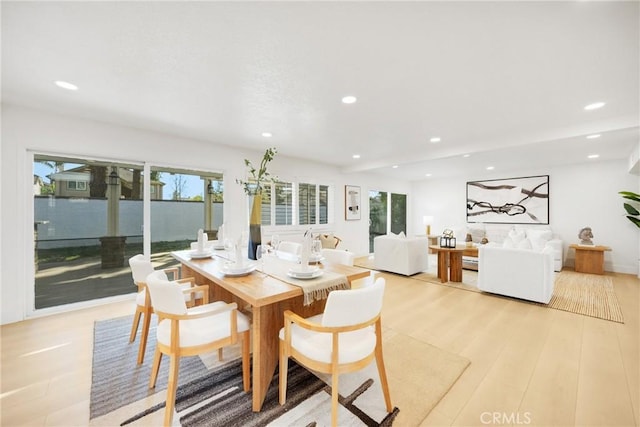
351,202
513,200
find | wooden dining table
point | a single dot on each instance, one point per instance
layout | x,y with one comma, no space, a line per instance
265,298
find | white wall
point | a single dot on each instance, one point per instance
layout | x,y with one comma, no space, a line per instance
25,130
580,195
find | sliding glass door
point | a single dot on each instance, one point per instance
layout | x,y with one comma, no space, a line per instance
386,214
87,222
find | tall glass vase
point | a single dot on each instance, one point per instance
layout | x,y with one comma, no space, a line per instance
255,232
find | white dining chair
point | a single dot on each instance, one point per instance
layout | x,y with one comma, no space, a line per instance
186,331
289,247
141,267
338,256
345,338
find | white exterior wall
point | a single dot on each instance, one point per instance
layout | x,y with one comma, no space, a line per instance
87,218
26,130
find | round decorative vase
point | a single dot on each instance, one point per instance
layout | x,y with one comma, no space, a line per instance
255,232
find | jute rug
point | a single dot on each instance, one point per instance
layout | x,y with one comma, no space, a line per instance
589,294
586,294
210,394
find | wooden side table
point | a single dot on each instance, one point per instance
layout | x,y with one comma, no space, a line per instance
590,259
449,263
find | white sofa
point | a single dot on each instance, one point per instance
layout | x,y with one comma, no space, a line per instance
518,273
523,236
400,254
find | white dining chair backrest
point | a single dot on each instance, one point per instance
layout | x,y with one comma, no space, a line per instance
290,247
338,256
353,306
141,267
166,296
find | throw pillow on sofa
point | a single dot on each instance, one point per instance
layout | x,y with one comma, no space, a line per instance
517,235
524,244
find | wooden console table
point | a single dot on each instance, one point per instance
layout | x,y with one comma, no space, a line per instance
590,259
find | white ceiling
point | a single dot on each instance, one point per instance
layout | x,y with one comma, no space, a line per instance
505,82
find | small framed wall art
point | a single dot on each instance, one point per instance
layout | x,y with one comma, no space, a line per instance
351,202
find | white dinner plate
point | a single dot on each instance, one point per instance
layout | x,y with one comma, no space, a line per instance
198,255
295,275
304,270
233,270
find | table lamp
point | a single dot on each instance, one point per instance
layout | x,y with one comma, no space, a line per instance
427,220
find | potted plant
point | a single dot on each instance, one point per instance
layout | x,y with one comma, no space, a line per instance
632,212
253,186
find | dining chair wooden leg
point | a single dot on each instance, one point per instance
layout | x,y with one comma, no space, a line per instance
282,381
155,368
383,378
334,398
382,372
134,325
172,385
146,322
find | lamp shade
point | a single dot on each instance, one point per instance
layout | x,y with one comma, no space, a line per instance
427,220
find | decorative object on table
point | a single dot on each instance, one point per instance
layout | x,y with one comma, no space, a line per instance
585,236
305,254
484,240
202,241
632,212
427,220
351,202
469,240
447,240
253,187
513,200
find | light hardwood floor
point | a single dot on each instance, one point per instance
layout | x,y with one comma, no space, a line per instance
529,364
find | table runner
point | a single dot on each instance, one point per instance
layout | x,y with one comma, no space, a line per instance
313,289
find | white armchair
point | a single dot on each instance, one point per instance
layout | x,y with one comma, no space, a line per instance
402,255
518,273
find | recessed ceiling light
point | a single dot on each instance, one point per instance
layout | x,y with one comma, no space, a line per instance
66,85
267,134
466,155
593,136
395,166
356,156
593,156
594,106
427,174
490,168
435,139
349,99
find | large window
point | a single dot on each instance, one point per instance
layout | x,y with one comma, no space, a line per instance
313,204
184,202
311,207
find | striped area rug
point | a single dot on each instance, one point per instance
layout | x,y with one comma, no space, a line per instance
217,399
210,392
116,379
